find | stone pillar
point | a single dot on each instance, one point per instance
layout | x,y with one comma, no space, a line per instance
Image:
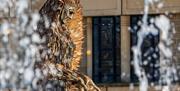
125,49
89,46
176,41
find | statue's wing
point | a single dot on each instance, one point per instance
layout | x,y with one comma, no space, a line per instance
75,26
68,24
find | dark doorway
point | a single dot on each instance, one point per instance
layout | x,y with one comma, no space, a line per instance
106,49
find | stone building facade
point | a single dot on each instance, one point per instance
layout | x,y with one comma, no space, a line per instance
127,11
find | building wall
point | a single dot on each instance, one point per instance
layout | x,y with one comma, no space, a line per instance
126,7
176,40
109,7
125,53
125,42
97,8
136,7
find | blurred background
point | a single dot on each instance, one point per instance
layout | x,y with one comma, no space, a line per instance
110,29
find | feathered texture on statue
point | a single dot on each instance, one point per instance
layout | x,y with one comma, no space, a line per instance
62,51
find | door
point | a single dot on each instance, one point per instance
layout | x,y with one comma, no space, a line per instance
106,49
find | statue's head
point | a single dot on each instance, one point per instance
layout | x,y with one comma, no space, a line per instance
69,8
61,9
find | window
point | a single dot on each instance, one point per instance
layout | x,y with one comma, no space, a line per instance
106,49
149,49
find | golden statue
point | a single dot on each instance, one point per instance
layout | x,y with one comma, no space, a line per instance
64,40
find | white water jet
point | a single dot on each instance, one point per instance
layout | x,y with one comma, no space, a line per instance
167,70
19,48
139,71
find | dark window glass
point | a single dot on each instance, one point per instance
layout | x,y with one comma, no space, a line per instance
149,49
106,49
